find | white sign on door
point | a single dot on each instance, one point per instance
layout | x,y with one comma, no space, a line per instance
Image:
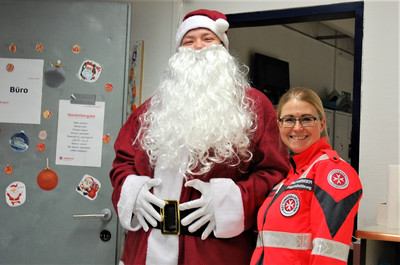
79,134
21,90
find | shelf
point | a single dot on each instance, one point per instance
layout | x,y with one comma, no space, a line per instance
379,233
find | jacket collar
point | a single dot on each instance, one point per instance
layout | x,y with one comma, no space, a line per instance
307,157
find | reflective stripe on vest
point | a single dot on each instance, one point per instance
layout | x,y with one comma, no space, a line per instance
323,157
330,248
301,241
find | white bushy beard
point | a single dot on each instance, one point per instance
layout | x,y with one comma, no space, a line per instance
201,110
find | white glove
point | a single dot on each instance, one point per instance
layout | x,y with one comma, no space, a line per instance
205,211
143,208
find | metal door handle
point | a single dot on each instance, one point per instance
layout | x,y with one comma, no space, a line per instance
105,215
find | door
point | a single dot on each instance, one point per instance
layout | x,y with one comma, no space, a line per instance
62,216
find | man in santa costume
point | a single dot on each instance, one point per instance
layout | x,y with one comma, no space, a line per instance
195,162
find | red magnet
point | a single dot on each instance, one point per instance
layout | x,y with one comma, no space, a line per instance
106,138
134,107
108,87
8,169
40,147
47,114
10,67
76,49
39,47
132,72
134,91
12,47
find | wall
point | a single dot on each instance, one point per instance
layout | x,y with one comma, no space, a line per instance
379,139
152,21
311,62
380,121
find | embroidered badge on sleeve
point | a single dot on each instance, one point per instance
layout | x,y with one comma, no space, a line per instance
338,179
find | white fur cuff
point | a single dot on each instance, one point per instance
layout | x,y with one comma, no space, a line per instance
228,208
129,192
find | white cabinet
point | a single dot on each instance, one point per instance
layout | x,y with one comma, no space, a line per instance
330,119
342,134
339,130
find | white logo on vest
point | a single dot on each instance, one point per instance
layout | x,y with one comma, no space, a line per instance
290,205
338,179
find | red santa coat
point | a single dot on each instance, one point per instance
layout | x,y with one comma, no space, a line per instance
252,182
308,218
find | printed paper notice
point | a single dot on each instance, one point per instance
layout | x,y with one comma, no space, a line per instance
21,90
79,134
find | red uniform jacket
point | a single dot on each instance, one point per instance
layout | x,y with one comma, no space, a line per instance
308,218
255,180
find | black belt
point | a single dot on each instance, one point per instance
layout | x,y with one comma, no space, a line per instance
171,220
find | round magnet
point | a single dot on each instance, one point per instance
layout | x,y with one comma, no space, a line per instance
47,179
108,87
12,47
106,138
39,47
43,134
76,49
134,91
40,147
8,169
47,114
19,142
15,194
10,67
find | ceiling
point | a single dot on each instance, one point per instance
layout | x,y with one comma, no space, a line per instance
337,33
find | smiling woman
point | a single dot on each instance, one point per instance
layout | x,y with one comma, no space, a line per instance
305,106
308,218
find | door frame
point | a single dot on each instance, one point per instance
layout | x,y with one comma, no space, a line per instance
319,13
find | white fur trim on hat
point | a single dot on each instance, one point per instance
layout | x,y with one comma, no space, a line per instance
219,27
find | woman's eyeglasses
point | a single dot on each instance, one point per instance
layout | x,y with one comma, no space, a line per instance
304,122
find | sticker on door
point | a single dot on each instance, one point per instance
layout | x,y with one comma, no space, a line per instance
15,194
88,187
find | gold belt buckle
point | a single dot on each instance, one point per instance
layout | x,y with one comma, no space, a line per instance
170,218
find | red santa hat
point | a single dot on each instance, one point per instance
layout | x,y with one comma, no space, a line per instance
203,18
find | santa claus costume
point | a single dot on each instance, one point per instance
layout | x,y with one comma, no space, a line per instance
236,184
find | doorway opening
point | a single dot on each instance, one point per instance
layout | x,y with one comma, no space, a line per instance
327,13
